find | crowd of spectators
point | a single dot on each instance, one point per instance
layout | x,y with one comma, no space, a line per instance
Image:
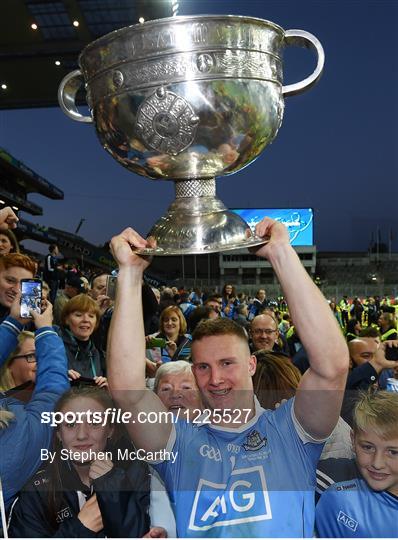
315,375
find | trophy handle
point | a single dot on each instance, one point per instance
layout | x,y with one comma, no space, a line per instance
67,91
304,39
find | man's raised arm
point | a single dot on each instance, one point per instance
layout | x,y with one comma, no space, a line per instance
126,346
319,396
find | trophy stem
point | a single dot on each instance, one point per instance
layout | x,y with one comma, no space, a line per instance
196,188
197,222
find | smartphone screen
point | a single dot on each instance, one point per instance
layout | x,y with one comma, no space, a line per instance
156,342
111,284
30,297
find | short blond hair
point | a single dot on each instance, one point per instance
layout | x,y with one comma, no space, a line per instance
5,418
378,412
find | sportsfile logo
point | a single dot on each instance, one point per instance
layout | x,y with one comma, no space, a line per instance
347,521
242,500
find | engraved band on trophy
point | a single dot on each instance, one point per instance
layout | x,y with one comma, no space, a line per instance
189,99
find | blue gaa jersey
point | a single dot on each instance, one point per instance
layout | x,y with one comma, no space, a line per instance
353,510
254,481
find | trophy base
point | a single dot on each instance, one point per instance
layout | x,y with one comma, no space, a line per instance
195,225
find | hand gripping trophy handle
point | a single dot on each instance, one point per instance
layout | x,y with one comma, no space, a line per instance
302,38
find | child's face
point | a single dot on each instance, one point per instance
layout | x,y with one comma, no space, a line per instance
377,460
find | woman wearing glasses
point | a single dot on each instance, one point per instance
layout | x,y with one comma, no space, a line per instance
21,365
22,434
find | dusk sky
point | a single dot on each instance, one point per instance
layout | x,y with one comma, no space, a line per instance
335,152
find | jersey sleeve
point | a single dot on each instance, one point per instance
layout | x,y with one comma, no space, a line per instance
285,422
181,435
325,521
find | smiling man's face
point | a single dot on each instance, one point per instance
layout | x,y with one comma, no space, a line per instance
10,279
223,369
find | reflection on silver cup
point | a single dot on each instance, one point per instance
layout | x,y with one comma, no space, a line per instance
188,99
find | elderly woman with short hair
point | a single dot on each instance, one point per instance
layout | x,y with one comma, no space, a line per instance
176,386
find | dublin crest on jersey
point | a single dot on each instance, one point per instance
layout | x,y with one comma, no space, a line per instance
254,441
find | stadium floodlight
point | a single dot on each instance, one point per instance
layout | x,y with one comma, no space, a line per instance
4,86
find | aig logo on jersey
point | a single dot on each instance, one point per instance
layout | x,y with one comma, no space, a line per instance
244,499
347,521
63,514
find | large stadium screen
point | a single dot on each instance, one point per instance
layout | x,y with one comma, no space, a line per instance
299,221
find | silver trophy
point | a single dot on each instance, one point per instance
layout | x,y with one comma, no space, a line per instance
188,99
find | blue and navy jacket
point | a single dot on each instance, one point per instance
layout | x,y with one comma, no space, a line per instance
21,442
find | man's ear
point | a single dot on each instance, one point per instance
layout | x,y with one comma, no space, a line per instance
252,365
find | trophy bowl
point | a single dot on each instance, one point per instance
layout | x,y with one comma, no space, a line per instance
189,99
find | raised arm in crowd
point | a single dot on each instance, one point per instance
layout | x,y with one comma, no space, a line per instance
223,367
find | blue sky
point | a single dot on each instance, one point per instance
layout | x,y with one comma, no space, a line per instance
336,151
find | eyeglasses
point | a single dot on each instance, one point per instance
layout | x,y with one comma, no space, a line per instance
260,331
30,357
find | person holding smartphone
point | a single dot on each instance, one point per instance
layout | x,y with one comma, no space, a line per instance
21,366
14,267
22,434
171,342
